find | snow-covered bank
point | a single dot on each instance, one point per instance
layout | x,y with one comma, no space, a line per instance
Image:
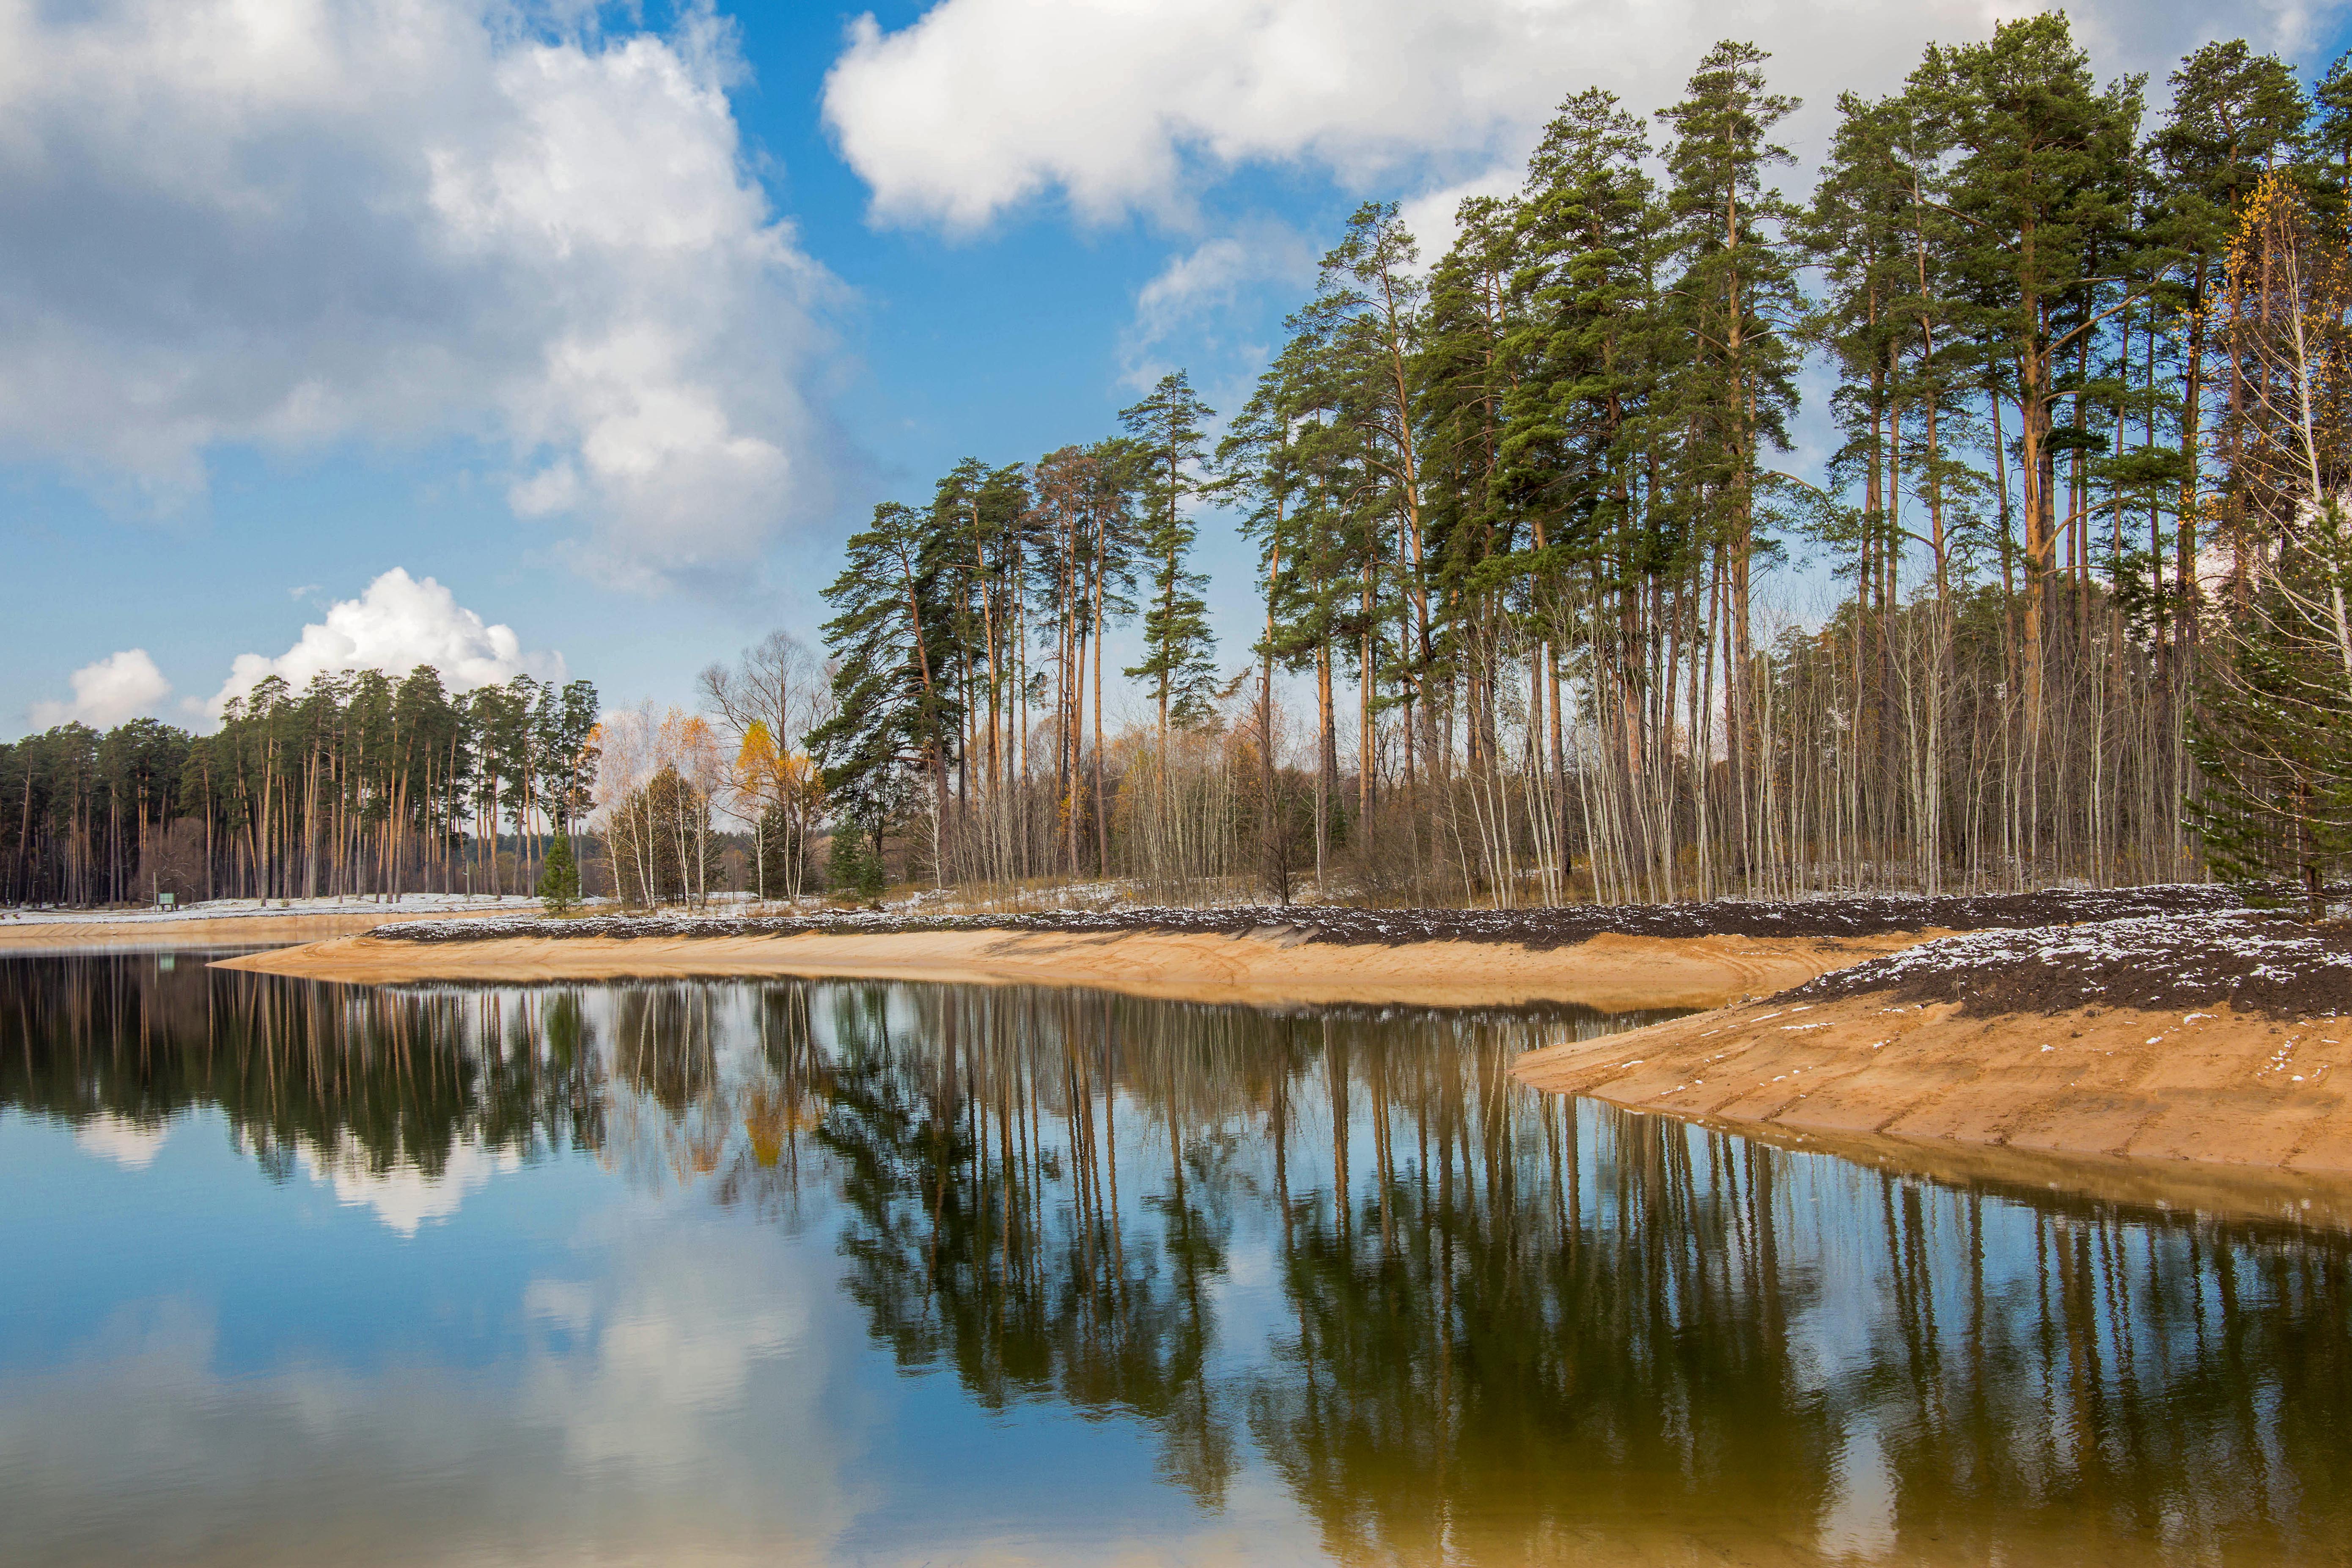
408,906
1536,929
235,920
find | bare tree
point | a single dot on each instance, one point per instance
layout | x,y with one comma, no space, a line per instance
767,702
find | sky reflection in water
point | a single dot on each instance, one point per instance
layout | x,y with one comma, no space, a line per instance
787,1272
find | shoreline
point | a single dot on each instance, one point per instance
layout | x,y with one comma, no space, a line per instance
2197,1057
236,929
2195,1091
1272,965
2189,1044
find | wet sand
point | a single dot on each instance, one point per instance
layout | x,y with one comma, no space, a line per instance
2149,1087
1612,971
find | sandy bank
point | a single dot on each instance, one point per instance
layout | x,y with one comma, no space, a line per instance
1611,972
198,930
2139,1084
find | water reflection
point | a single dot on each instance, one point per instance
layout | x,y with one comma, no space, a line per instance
1341,1256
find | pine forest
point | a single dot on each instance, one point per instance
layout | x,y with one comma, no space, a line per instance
1539,615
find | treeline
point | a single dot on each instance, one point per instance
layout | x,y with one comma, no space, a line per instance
1513,510
358,784
1516,514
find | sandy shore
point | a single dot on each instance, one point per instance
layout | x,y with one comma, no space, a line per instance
2137,1084
1612,971
222,931
2208,1108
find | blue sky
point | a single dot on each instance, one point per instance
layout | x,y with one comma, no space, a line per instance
612,324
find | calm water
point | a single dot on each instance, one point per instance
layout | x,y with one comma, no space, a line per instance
855,1273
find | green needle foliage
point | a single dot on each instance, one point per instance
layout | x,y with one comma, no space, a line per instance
1170,449
360,785
2273,734
559,877
1520,514
853,867
1517,517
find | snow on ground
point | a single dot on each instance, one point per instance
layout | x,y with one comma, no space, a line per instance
224,909
1537,929
2253,960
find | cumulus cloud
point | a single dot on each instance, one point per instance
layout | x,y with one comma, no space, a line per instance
399,623
308,221
119,686
1196,284
980,105
1433,217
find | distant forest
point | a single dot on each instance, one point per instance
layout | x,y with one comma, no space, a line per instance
356,784
2091,380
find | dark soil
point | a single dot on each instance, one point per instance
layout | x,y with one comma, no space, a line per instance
1540,930
2254,963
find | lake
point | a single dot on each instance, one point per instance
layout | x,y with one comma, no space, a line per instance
858,1273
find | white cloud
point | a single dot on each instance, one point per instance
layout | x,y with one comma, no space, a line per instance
404,1197
980,105
683,1358
396,624
1196,285
1432,216
133,1145
1207,274
296,223
119,686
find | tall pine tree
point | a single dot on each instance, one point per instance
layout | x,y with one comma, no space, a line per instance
1170,449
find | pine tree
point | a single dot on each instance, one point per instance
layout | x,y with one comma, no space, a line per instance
853,867
1736,297
1295,453
559,877
2041,190
1473,525
1259,469
2273,735
2330,142
894,719
1589,223
1179,648
2235,115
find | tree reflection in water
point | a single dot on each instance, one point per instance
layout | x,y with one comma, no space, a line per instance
1459,1320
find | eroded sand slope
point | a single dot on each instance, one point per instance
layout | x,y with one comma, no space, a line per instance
2213,1084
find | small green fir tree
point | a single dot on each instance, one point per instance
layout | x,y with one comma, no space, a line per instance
854,870
559,877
